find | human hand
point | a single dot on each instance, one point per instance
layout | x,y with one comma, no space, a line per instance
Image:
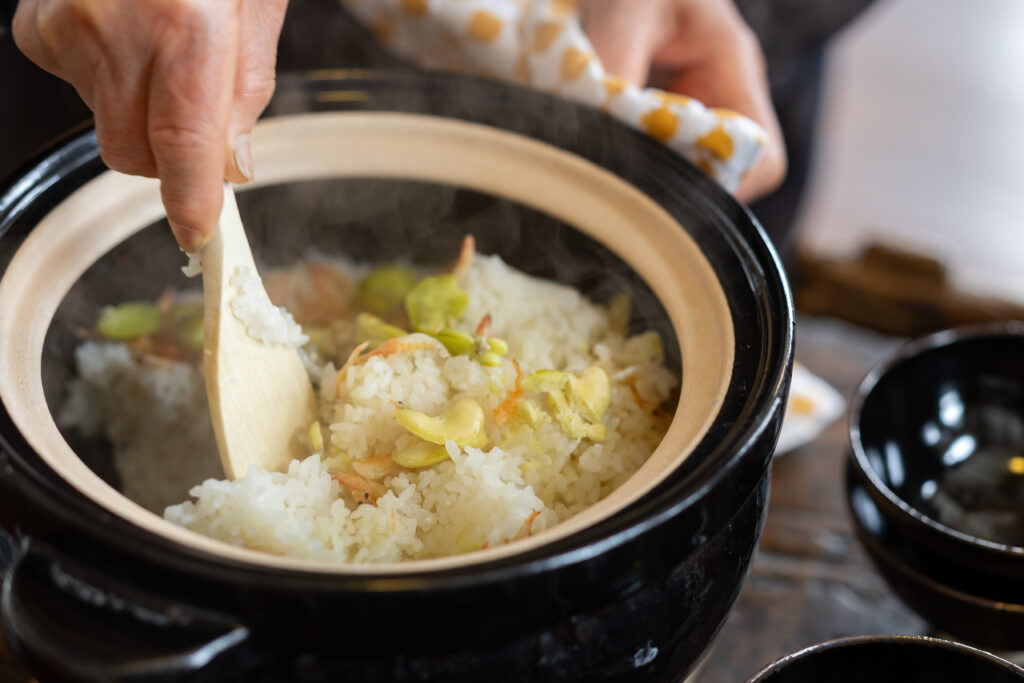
699,48
175,87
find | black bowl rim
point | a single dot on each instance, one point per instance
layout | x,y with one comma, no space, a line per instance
662,504
856,641
1010,329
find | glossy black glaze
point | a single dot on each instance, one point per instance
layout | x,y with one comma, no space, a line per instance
890,659
946,410
638,597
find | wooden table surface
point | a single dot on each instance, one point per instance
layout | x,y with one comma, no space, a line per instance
810,581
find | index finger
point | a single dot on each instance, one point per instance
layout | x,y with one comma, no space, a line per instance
625,34
190,95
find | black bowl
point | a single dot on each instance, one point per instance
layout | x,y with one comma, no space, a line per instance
935,479
889,659
637,596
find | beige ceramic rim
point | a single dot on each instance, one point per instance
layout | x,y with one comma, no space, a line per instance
112,207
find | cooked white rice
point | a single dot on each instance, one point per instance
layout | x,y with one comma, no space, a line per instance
530,475
194,267
263,321
155,416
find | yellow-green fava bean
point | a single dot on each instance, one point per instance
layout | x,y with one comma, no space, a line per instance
657,350
433,302
316,438
186,310
384,289
420,455
187,324
594,390
620,308
462,422
190,335
490,359
543,381
338,462
532,414
370,328
129,320
571,422
498,345
457,342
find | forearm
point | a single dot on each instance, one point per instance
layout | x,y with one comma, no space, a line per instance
175,88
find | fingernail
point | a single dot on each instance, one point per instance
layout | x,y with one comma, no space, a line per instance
242,150
189,239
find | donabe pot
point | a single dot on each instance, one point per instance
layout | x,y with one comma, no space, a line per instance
634,590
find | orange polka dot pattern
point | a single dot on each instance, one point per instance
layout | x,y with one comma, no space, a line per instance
540,43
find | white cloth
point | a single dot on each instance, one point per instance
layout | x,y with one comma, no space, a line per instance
540,43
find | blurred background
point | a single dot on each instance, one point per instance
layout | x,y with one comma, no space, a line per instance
919,147
920,141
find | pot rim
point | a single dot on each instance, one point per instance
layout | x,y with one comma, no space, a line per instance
654,509
1011,329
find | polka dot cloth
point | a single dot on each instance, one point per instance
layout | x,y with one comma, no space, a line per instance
540,43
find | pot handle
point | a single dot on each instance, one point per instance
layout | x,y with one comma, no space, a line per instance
70,623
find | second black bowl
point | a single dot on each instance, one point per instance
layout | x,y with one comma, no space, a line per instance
889,659
935,479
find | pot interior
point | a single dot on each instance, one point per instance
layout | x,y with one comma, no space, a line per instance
370,187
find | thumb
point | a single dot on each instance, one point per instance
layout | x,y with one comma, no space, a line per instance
260,27
626,34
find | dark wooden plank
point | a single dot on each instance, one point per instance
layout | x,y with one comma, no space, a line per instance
892,291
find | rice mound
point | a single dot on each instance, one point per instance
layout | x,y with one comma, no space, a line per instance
263,321
530,476
155,417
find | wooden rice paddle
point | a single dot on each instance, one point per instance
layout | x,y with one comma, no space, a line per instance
260,395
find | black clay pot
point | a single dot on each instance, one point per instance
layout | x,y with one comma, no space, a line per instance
889,659
640,595
935,479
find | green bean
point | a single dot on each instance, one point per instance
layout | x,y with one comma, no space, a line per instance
434,302
186,320
384,289
129,320
457,342
370,328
